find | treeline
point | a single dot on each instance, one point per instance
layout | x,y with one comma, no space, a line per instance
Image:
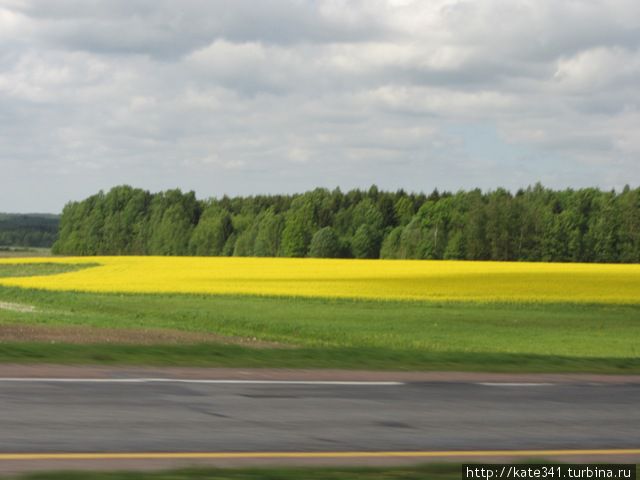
536,224
28,230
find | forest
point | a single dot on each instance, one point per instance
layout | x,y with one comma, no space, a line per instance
28,230
532,224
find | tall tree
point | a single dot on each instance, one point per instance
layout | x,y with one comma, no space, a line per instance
325,244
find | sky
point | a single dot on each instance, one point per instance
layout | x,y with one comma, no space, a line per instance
248,97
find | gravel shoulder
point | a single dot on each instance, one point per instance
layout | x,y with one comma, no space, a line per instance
198,373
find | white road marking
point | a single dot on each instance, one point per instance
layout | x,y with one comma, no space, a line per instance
185,380
511,384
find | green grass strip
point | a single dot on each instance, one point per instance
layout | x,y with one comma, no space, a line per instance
38,269
215,355
554,330
424,472
325,333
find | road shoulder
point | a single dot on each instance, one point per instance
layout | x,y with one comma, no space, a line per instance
44,371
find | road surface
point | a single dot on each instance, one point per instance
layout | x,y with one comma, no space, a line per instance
40,416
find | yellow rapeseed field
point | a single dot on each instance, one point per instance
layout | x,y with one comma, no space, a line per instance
377,279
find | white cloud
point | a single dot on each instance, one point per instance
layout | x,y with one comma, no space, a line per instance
273,96
599,68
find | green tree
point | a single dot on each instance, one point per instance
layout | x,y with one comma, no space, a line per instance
300,226
212,232
325,244
366,242
269,236
173,216
403,211
391,244
475,229
533,224
628,207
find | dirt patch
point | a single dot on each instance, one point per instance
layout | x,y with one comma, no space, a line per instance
17,307
12,333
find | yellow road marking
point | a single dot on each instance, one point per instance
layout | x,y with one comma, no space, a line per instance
285,455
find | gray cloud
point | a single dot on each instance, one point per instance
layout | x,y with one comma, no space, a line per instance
165,28
280,96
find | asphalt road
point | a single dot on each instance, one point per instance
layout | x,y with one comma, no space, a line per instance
191,417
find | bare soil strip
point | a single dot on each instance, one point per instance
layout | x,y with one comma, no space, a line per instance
13,332
203,373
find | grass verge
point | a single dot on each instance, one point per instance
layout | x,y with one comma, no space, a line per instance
446,471
216,355
425,472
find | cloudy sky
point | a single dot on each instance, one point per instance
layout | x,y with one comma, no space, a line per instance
246,96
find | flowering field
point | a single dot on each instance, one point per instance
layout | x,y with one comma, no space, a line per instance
368,279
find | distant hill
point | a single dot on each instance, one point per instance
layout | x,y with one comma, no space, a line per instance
28,229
